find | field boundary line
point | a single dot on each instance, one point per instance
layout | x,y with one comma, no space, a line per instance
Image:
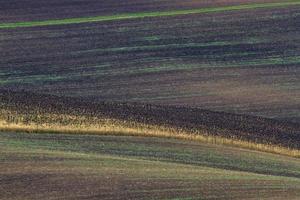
140,15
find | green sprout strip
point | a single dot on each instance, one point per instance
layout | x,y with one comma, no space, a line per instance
145,14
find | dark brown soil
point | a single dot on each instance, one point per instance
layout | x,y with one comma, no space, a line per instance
243,127
245,62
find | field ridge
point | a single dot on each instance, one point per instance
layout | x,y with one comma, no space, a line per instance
29,112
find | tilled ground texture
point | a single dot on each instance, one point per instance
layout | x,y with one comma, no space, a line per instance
243,61
45,166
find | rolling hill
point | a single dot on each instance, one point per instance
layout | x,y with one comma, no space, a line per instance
150,99
59,166
26,111
233,56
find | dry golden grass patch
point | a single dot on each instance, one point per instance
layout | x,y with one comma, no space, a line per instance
56,123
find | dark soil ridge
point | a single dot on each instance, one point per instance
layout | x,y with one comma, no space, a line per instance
228,125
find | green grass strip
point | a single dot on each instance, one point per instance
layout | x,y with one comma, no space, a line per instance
146,14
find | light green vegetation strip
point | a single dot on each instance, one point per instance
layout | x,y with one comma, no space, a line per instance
208,156
146,14
106,70
148,165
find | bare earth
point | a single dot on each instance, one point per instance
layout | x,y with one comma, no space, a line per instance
45,166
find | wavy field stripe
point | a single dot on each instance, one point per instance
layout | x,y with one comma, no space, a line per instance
145,14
